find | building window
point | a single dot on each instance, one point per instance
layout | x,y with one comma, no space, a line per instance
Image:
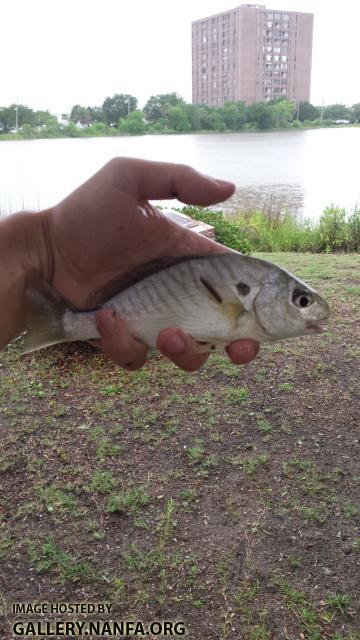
277,50
283,58
204,39
269,25
276,58
285,17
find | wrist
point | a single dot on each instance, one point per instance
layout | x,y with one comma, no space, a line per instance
29,240
23,249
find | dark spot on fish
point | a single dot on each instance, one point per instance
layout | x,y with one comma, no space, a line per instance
243,288
215,294
202,342
213,347
174,194
128,364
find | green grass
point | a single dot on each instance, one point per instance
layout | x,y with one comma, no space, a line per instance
128,502
271,231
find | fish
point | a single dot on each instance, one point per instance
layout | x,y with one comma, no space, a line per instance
217,299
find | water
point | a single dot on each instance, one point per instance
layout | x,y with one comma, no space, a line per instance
303,171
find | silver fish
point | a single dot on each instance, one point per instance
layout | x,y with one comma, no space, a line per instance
216,299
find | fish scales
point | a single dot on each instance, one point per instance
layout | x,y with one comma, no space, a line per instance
217,299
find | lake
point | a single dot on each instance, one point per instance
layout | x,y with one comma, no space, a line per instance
303,171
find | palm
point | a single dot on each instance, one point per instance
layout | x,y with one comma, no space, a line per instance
106,228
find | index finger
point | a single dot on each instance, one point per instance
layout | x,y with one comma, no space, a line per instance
166,180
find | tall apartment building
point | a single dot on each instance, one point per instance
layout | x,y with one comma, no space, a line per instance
251,53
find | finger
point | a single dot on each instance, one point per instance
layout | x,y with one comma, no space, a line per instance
242,351
180,349
169,180
117,341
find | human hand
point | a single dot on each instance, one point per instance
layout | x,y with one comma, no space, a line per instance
107,227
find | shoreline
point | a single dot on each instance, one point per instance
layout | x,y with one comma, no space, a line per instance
15,137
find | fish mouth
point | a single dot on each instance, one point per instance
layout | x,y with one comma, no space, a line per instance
316,327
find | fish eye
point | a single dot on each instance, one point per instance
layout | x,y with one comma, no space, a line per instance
302,299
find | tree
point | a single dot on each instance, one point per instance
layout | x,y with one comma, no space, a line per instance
119,106
157,107
80,114
194,116
260,114
27,131
41,118
52,128
337,112
97,129
177,119
233,114
199,116
307,111
8,117
355,112
215,122
283,112
133,125
96,114
71,130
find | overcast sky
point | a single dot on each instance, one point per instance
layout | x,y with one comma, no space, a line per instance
57,54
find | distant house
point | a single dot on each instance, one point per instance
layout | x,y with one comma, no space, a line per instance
63,118
342,121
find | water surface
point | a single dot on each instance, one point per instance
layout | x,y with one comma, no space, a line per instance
303,171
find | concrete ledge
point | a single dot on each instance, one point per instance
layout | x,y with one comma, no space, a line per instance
195,225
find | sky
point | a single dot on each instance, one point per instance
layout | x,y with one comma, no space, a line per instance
57,54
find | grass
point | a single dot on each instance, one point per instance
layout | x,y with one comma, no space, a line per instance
226,498
269,230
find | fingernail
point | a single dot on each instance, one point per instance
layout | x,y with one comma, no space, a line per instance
106,320
175,345
225,183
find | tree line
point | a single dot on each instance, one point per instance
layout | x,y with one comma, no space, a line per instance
169,113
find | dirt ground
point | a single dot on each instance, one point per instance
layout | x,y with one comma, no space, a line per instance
227,499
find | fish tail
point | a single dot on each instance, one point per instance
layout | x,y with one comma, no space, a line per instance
45,311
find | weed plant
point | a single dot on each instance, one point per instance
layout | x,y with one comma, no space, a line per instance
270,230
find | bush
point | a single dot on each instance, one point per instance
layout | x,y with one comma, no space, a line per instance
334,231
227,233
277,231
354,230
